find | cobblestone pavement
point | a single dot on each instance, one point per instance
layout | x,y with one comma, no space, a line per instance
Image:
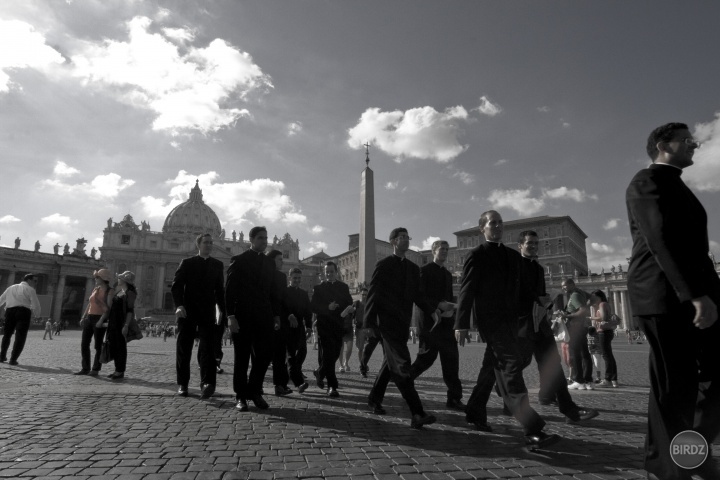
57,425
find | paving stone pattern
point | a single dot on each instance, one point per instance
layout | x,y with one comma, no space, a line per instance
56,425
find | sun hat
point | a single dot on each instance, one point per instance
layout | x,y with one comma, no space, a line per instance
103,274
127,277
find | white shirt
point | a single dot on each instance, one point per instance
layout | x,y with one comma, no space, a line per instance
21,295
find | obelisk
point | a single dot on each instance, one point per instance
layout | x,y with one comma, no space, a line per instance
367,258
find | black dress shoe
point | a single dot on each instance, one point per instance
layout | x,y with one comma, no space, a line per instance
333,393
82,372
260,402
219,369
455,404
363,373
207,391
182,391
544,401
318,380
303,387
540,440
12,362
376,408
242,405
281,391
117,375
581,414
479,426
3,360
418,421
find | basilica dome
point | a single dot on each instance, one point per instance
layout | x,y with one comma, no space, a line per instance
193,216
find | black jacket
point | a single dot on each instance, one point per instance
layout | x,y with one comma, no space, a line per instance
323,295
297,303
251,292
435,287
668,224
490,288
199,287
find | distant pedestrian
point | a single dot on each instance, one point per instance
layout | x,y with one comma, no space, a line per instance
606,333
297,304
122,309
92,321
48,329
577,317
21,304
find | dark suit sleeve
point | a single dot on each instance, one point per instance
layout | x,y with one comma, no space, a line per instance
306,310
277,290
231,288
317,303
178,286
220,291
374,297
649,206
468,291
346,299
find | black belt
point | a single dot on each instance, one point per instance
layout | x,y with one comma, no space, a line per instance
19,306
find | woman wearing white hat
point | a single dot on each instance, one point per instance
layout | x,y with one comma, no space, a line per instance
122,310
98,305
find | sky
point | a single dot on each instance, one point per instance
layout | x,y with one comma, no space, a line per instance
111,107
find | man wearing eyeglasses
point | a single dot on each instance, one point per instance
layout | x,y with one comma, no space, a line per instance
674,292
393,289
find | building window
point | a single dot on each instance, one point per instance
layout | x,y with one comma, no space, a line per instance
153,243
547,248
174,246
561,247
125,240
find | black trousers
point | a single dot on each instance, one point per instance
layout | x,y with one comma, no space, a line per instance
328,353
118,347
89,333
279,361
503,363
188,329
440,342
254,340
553,385
297,352
17,321
606,338
580,357
396,367
219,331
372,339
682,358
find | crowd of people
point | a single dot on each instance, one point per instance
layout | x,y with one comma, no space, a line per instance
673,287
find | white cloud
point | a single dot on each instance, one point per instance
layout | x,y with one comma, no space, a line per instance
315,247
565,125
108,186
421,132
705,173
260,199
294,128
518,200
602,248
189,91
391,185
317,229
612,224
543,109
58,219
427,243
22,47
182,35
488,108
568,193
54,236
502,161
62,169
9,219
465,177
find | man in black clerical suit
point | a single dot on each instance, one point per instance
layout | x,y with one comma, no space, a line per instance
297,305
198,288
490,291
393,289
280,336
253,310
535,334
674,293
331,302
436,331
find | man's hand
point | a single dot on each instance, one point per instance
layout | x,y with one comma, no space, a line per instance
446,306
333,305
461,336
705,312
293,321
180,312
233,324
276,322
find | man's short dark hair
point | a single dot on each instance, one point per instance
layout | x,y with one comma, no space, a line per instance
526,233
255,230
29,276
663,133
327,264
568,281
199,238
273,253
396,232
485,216
295,271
